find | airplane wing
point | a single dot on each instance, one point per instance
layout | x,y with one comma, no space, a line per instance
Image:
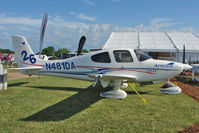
113,76
26,68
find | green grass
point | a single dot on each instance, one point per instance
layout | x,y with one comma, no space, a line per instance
52,104
12,71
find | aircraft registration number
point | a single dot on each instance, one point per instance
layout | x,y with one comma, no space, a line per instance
60,66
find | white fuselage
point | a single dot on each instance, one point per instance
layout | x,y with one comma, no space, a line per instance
81,66
109,66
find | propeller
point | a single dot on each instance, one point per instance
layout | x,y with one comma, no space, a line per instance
190,60
42,31
183,55
81,44
185,65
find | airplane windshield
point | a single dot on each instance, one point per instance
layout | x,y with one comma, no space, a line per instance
142,56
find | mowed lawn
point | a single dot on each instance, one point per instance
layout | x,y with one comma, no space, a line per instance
52,104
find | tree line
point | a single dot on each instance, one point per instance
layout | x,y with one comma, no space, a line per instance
50,51
6,51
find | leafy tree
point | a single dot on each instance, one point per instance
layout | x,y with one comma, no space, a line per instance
6,51
49,51
84,51
61,51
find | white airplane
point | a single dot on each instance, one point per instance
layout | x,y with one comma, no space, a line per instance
115,67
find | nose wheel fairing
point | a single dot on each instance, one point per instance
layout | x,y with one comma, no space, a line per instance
116,93
172,89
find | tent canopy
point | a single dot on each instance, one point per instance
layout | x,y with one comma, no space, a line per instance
154,41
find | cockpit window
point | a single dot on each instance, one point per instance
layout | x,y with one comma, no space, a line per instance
122,56
101,58
142,56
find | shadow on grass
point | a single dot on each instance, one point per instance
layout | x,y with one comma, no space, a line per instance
188,80
69,106
58,88
193,83
17,84
133,92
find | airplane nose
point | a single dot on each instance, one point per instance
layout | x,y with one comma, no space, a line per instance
186,67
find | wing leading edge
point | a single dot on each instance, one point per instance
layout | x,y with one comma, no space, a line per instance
130,78
26,68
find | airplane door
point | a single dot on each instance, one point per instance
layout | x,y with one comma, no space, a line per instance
123,57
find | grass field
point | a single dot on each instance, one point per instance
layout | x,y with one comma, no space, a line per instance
52,104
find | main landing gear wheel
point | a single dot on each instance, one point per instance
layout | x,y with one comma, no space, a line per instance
116,93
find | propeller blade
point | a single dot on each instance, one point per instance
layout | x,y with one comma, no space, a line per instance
190,60
42,32
183,55
81,44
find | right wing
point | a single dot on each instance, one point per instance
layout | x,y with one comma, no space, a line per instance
27,68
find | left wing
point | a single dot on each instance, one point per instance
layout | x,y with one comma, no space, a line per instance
128,77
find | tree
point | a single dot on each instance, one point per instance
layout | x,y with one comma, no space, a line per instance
84,51
6,51
61,51
49,51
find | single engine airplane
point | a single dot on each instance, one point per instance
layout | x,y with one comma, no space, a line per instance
114,66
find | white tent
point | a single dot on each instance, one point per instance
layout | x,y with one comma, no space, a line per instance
157,42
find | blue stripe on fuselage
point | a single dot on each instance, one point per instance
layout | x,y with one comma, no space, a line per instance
97,71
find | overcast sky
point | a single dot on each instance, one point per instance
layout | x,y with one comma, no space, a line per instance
96,19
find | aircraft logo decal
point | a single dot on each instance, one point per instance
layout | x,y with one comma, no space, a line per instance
23,43
169,65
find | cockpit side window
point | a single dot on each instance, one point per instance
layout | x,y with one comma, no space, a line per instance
101,58
122,56
142,56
